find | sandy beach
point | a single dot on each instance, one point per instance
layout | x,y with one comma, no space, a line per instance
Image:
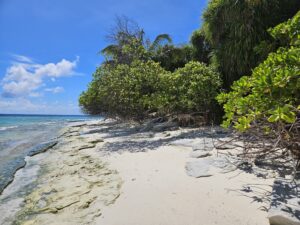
111,173
156,190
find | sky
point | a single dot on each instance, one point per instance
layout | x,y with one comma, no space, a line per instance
49,48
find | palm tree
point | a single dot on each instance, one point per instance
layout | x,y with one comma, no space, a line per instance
159,41
129,43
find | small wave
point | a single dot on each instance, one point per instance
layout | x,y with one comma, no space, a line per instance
47,123
75,120
7,128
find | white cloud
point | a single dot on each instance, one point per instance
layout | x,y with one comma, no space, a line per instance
23,105
55,90
22,58
24,77
35,94
60,69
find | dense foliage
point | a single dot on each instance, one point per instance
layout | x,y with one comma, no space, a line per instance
123,90
271,96
200,47
173,57
191,89
136,90
141,78
237,32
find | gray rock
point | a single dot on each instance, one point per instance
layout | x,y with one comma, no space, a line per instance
202,167
221,163
147,127
158,123
184,142
165,126
43,147
224,164
285,203
200,154
199,168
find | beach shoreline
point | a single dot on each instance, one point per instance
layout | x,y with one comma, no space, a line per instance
100,169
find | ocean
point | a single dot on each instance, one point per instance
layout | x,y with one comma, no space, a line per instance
21,134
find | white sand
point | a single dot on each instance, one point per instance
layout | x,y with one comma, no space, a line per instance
157,191
81,184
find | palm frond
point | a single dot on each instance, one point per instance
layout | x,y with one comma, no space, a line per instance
159,40
110,50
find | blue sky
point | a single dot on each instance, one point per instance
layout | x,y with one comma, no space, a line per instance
48,48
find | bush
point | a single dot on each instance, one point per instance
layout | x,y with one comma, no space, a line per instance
267,104
134,91
90,101
123,90
272,93
191,89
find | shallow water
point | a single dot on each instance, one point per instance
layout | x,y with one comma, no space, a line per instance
20,134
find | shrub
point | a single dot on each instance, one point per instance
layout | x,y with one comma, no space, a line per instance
90,101
268,101
123,90
134,91
191,89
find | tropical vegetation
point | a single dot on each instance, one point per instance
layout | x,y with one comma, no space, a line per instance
235,59
237,33
269,100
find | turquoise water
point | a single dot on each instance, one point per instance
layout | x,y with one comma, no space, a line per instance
21,133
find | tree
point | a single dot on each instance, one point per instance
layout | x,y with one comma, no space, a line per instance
129,43
234,28
201,47
173,57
